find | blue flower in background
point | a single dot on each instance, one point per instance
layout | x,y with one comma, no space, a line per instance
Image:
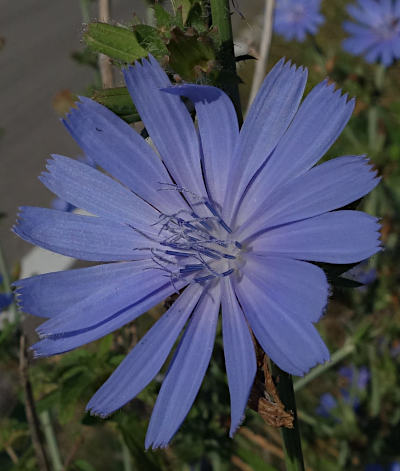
327,402
233,217
356,381
5,298
359,376
295,18
376,33
395,466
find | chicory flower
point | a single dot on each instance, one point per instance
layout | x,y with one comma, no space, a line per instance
227,218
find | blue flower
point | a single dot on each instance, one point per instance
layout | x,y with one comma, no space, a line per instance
327,402
376,33
5,298
395,466
360,376
233,217
356,379
295,18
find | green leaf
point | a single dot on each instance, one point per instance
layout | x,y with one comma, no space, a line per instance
185,6
105,345
114,41
83,465
341,282
191,54
163,18
133,433
149,38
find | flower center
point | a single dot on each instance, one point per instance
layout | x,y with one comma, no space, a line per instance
197,249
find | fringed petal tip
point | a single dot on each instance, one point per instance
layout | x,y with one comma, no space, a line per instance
18,296
90,408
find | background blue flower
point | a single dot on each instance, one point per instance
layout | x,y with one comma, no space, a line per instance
375,34
356,381
5,298
295,18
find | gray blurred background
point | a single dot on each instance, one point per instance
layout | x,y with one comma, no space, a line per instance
35,65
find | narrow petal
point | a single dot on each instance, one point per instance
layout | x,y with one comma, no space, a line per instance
328,186
147,357
119,150
82,237
219,131
168,122
186,372
337,237
61,344
50,294
318,123
270,114
299,287
240,358
97,307
92,190
285,335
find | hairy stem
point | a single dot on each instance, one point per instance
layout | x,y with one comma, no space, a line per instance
221,19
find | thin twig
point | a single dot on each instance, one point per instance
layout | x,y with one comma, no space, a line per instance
347,349
30,409
265,44
104,61
261,442
11,453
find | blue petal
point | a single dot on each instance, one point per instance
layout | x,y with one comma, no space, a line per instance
185,372
83,237
50,294
92,190
168,122
140,302
116,147
338,237
118,295
5,300
270,114
328,186
299,287
240,359
147,357
219,131
282,329
316,126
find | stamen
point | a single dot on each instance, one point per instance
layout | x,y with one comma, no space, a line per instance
200,279
178,254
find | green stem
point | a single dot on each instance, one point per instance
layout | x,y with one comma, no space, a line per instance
221,19
290,436
126,456
51,441
343,352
